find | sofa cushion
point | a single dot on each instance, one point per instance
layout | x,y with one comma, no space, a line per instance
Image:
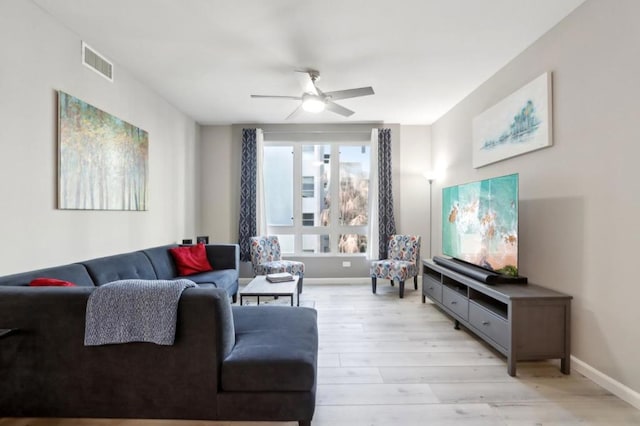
162,261
226,279
126,266
223,256
276,349
191,259
74,273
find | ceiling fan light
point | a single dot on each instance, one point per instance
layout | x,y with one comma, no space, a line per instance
313,104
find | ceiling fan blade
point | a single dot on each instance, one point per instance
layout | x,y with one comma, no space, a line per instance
350,93
295,112
277,97
338,109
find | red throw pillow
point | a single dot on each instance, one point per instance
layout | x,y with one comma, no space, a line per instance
50,282
191,259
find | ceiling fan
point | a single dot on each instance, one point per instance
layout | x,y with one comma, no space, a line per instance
315,100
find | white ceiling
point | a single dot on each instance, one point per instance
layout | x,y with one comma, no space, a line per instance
207,56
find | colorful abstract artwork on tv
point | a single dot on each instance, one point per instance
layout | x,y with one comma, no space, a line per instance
102,160
480,223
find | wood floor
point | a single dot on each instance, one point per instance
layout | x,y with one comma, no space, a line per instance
390,361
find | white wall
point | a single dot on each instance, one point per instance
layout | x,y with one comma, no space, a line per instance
220,163
413,204
37,57
580,199
220,183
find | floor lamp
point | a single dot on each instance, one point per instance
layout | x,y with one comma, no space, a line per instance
430,178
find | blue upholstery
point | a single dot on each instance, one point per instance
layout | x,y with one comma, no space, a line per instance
162,261
124,266
226,279
148,264
74,273
268,361
276,350
224,258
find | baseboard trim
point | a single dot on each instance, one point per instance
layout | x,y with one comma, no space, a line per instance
620,390
324,281
341,280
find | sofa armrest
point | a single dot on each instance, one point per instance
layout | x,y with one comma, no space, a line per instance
224,256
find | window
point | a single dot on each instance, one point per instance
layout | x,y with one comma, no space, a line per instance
278,185
305,209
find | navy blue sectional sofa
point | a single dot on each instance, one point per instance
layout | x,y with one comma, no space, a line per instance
154,263
245,363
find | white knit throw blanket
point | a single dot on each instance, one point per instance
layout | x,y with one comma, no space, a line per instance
134,311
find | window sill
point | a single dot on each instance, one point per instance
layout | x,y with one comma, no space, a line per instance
325,255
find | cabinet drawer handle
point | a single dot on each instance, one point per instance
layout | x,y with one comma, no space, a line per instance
431,288
454,302
485,322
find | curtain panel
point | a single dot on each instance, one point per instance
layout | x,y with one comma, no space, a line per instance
386,220
373,243
248,191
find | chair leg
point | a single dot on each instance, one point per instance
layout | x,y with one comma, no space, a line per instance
373,285
415,282
234,298
392,283
401,289
300,285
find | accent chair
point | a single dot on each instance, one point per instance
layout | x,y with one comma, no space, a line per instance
266,259
403,255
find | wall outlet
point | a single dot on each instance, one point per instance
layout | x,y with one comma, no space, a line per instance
346,264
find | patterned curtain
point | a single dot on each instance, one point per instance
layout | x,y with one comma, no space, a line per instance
386,221
248,189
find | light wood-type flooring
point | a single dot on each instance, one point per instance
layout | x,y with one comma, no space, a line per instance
390,361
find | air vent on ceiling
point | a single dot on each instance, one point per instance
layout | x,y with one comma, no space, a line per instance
95,61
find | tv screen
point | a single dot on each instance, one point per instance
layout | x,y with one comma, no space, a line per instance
480,223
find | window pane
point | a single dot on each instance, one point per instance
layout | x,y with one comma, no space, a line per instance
352,243
316,166
308,186
354,185
286,243
315,244
278,185
307,219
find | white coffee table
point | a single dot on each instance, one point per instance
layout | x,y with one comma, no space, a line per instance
259,286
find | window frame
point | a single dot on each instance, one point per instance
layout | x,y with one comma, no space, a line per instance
334,230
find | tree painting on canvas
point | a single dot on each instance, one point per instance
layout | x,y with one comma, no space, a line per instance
102,160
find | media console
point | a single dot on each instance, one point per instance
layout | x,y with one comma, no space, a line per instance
524,322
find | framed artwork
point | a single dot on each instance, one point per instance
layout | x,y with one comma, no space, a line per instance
204,239
103,161
518,124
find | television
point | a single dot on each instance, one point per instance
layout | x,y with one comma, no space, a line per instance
480,224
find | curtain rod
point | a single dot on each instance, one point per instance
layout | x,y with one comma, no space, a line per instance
365,132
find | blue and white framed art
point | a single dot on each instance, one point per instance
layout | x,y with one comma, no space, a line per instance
520,123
